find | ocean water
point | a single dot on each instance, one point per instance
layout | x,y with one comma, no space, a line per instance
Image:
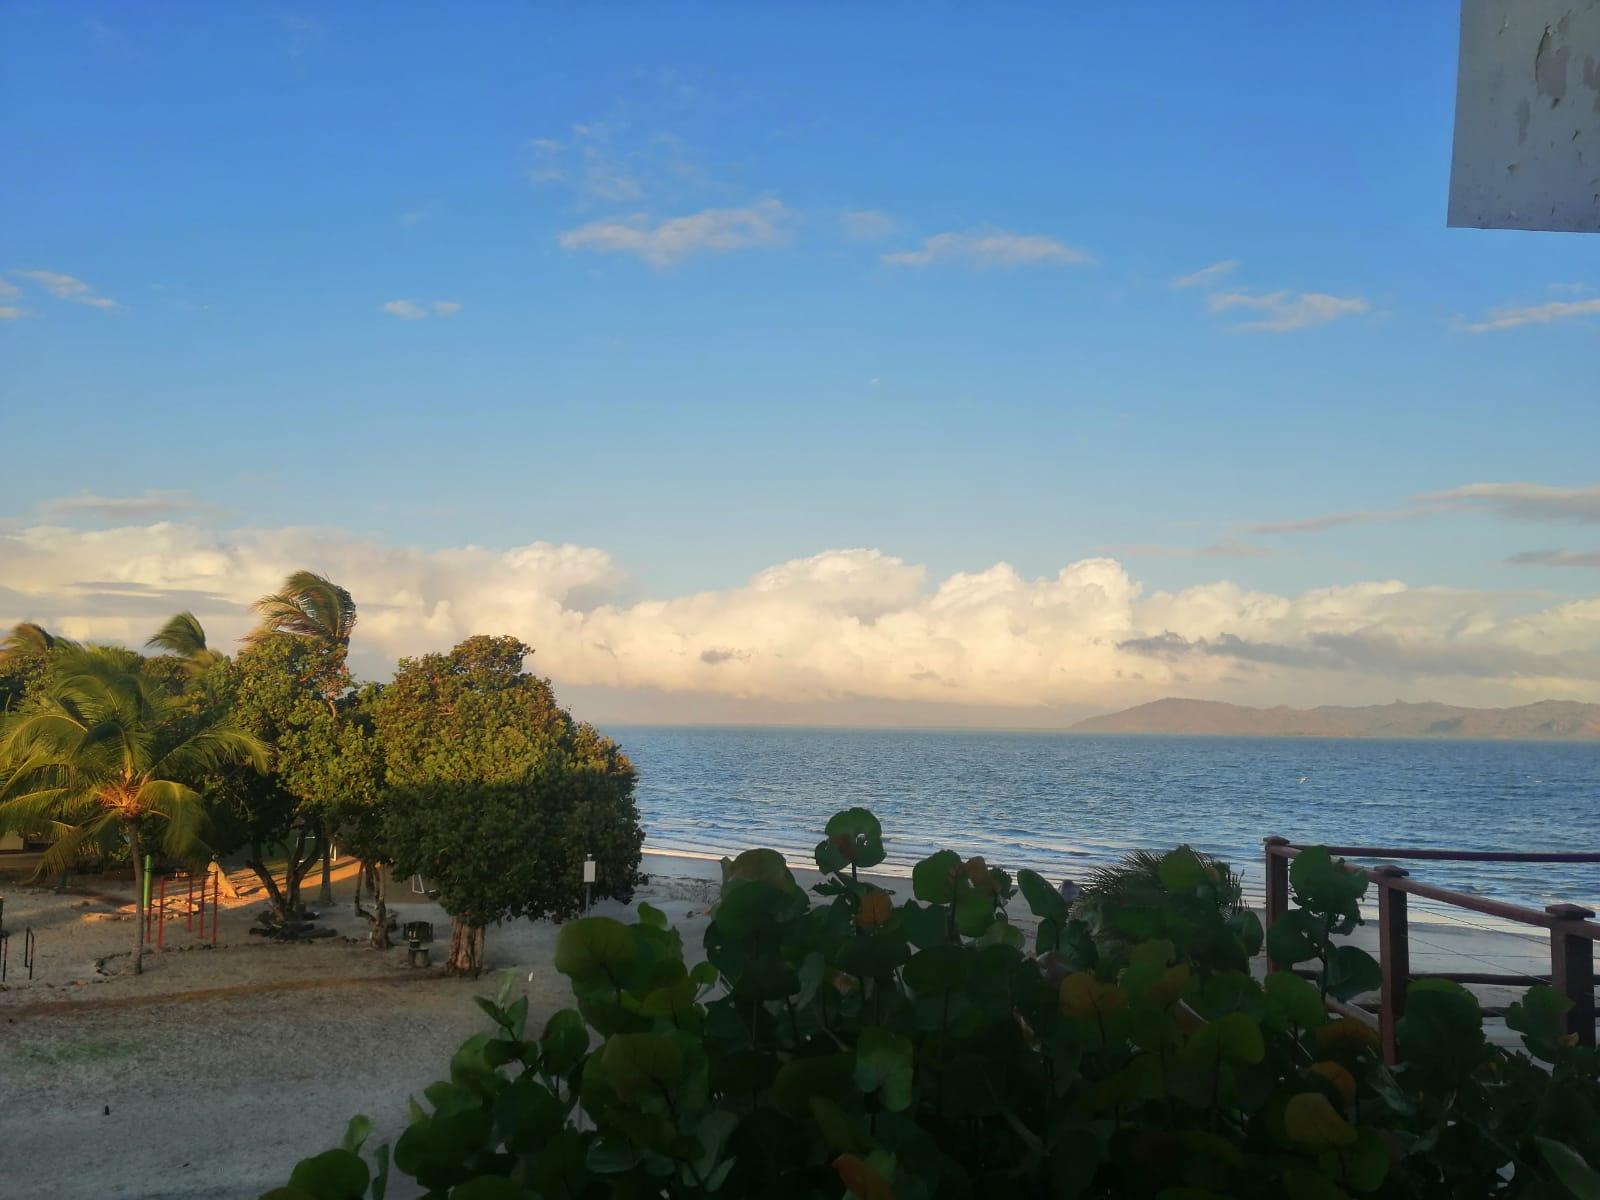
1062,803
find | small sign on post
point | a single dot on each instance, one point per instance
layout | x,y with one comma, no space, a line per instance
589,876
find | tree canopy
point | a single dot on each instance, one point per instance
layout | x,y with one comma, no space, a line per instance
105,748
496,794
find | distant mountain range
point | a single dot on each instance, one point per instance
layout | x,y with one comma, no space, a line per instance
1554,720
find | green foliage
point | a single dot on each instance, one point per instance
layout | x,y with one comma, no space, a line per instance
25,652
494,793
876,1046
105,748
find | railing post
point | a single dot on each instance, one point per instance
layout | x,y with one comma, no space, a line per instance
1277,884
1394,959
1572,970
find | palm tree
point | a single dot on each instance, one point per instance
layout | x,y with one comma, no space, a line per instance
184,637
23,655
309,606
27,640
104,750
313,607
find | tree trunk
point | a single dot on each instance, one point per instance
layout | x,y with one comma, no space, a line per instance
380,924
137,850
466,949
325,896
268,880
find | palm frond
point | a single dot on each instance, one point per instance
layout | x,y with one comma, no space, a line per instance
183,813
62,854
29,640
309,606
220,745
103,747
182,635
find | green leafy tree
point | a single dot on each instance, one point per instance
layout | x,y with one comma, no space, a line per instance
496,794
273,688
341,759
104,748
320,616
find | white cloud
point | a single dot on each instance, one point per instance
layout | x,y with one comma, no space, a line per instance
607,163
1526,501
145,505
838,627
1206,276
8,290
1232,548
406,310
1285,311
1536,314
867,224
420,310
1514,501
991,248
1555,558
1334,520
67,287
667,242
10,312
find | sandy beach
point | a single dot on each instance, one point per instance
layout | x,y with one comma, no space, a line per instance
214,1071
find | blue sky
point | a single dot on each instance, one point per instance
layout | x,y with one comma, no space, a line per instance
660,282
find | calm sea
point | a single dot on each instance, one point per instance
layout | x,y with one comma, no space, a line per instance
1061,803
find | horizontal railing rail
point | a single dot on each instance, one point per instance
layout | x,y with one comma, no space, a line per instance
1573,932
1418,852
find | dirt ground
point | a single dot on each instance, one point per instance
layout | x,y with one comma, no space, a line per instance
217,1069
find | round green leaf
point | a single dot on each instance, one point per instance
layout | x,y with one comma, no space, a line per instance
1043,900
933,880
595,948
331,1175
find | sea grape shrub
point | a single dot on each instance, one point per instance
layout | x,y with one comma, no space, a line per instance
880,1045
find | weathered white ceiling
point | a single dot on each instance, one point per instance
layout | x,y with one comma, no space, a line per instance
1527,144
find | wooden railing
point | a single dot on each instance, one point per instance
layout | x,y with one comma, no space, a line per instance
1572,929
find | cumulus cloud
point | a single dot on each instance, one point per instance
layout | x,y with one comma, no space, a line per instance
1206,277
420,310
67,287
1284,311
842,625
667,242
1516,317
991,248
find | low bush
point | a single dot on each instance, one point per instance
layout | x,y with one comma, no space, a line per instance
880,1045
